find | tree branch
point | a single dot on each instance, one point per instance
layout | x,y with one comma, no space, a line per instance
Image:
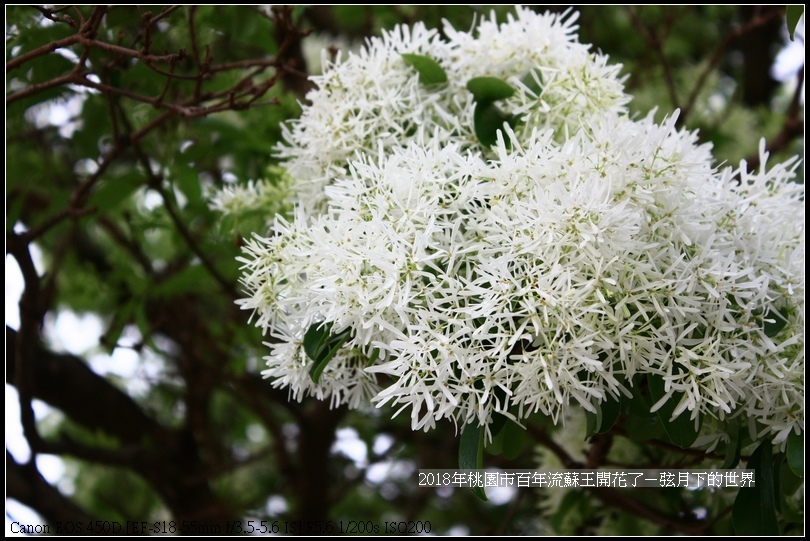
25,484
65,382
613,497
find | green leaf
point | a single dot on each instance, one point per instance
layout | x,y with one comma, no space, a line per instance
471,453
489,119
489,89
754,512
533,81
326,355
795,453
794,13
315,337
498,424
791,508
681,431
643,427
789,482
514,440
610,410
639,404
321,346
495,447
430,72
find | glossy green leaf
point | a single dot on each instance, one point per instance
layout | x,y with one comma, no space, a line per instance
754,511
489,89
681,431
498,424
795,453
321,346
471,453
325,355
430,72
314,339
793,15
488,120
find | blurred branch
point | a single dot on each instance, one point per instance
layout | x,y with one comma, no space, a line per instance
128,244
761,17
792,128
614,497
66,383
155,182
289,36
542,436
25,484
20,371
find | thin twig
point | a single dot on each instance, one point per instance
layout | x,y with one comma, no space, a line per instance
129,244
165,12
226,286
42,50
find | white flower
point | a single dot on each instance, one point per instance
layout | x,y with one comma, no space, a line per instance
547,272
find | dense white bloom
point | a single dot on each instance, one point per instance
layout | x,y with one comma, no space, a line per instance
374,99
543,273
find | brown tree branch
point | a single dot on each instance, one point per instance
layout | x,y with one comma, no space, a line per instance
66,383
25,484
18,61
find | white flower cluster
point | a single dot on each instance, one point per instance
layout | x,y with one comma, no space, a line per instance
546,272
